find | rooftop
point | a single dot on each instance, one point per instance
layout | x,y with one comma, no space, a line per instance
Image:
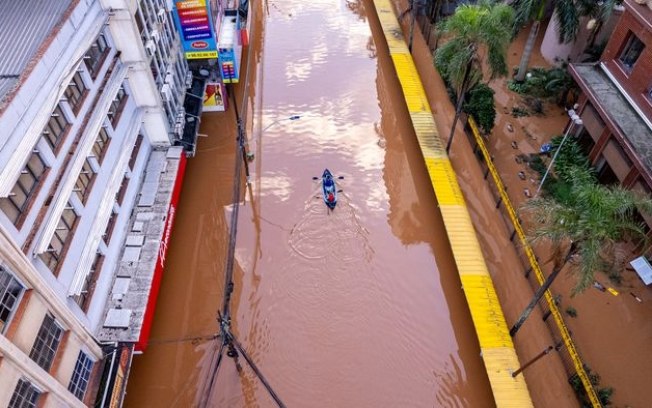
127,307
623,114
24,27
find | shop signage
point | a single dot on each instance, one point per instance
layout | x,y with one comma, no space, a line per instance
196,29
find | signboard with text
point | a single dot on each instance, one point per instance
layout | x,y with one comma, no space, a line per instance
230,49
196,29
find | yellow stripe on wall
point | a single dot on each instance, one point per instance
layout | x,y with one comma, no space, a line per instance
493,335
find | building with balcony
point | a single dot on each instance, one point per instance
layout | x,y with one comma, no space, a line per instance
91,106
616,103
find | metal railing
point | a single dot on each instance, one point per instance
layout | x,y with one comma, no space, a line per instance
560,325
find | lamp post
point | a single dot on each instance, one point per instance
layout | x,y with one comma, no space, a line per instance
293,117
575,120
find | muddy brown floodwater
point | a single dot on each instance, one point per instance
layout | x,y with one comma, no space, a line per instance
359,307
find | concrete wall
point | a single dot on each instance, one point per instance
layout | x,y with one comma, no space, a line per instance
555,53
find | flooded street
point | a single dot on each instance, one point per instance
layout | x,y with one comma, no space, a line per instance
358,307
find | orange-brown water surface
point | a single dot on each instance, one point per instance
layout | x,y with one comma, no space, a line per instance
358,307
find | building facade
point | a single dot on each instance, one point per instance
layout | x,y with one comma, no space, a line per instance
616,103
91,92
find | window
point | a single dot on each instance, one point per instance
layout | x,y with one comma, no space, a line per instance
115,109
61,238
46,343
120,196
10,292
109,227
631,52
96,54
79,380
85,181
83,299
134,151
25,395
75,92
56,128
101,144
16,204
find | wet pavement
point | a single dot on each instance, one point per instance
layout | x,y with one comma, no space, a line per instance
358,307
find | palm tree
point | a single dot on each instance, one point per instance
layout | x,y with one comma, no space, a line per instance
534,11
588,227
473,31
599,13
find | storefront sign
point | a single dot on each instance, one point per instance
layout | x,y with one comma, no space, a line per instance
196,29
160,262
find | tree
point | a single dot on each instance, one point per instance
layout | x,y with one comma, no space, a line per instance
587,228
473,32
534,11
599,13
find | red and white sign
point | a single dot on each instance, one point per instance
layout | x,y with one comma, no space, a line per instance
199,44
148,317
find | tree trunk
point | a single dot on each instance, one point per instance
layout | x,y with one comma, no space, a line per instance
539,293
527,51
460,102
594,33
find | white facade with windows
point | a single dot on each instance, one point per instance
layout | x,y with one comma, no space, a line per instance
97,86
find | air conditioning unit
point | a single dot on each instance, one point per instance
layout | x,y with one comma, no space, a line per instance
150,47
169,79
181,115
155,35
178,129
188,79
166,92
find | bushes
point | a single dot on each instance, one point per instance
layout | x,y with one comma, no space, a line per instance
554,83
480,104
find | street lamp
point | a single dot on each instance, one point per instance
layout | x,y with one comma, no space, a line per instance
293,117
575,120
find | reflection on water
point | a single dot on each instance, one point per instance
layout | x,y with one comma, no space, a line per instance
356,307
322,234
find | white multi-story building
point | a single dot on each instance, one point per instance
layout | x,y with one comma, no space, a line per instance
91,94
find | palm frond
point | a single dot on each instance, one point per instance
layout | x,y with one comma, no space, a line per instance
568,20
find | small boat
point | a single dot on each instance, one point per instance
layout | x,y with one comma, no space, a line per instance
329,189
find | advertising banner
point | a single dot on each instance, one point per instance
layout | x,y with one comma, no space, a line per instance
214,100
193,20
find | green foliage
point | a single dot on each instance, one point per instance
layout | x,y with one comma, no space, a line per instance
517,112
474,27
604,393
481,105
594,218
554,83
575,208
571,311
565,12
570,161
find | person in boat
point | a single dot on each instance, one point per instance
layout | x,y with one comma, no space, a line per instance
331,197
328,181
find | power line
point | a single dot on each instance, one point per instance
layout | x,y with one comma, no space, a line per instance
229,341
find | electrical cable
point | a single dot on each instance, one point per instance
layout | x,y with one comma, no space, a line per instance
257,372
229,341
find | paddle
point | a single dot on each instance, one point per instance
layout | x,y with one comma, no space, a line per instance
339,178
